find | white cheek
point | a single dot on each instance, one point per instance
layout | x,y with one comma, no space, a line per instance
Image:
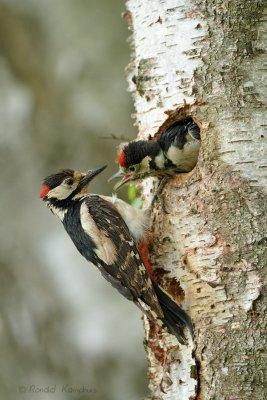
61,192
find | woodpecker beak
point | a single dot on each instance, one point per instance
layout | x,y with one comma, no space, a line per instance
125,179
117,174
90,175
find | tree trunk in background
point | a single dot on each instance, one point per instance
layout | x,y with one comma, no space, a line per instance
205,59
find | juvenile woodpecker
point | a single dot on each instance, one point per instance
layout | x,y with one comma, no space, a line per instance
107,232
176,150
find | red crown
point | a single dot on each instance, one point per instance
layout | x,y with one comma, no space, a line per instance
122,159
44,191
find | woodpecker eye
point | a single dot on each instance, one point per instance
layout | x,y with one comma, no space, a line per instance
132,168
69,181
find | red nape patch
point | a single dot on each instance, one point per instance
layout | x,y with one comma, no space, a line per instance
122,159
143,251
44,191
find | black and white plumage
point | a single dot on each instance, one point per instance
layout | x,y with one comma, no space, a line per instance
176,150
105,231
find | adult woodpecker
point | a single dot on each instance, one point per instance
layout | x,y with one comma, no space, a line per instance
107,231
176,150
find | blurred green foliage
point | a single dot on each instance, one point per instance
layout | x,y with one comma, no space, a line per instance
133,195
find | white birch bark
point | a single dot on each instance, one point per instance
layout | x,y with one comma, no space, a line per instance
205,59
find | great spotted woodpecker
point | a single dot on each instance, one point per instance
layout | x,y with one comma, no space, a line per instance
176,150
107,232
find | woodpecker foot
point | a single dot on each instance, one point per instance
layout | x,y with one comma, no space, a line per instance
158,194
144,254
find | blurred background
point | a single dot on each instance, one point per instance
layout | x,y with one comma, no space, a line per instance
62,93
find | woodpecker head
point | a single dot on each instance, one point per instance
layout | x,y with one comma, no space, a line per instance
176,150
137,160
60,188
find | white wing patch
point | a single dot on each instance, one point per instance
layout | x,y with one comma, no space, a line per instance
105,248
62,191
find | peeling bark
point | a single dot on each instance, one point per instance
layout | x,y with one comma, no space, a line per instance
205,59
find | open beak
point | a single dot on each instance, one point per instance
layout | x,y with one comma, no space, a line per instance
117,174
90,175
125,179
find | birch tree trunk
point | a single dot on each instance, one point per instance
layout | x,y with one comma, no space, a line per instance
205,59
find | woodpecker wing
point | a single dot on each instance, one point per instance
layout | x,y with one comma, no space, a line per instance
180,144
178,134
114,252
103,238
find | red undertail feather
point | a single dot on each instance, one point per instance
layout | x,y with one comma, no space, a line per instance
144,254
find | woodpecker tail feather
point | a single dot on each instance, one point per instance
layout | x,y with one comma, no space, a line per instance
175,318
